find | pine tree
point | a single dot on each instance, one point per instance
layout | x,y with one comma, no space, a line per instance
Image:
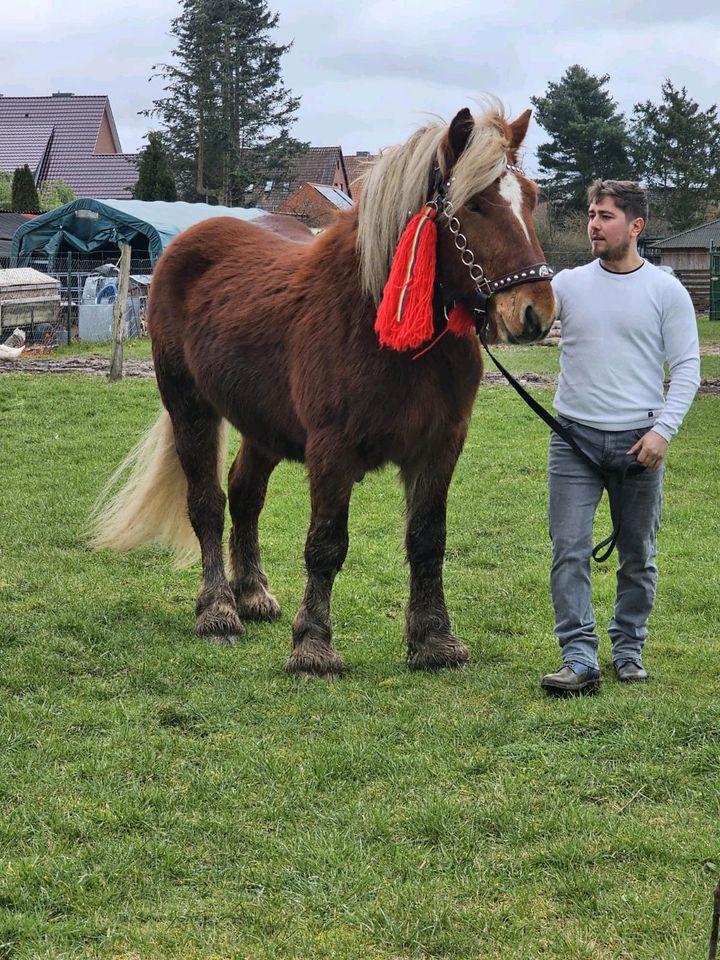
25,197
227,114
155,180
677,150
588,137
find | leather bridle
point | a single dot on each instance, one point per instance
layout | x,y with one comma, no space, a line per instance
485,287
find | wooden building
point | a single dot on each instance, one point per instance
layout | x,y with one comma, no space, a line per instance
688,253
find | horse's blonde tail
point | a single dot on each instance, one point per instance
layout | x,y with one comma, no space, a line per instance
151,506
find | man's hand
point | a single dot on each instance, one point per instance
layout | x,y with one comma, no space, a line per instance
650,450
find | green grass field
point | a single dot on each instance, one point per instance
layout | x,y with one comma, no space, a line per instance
161,797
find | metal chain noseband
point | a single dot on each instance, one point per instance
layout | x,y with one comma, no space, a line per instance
461,244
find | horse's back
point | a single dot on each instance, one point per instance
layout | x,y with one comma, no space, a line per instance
218,323
217,259
222,240
285,226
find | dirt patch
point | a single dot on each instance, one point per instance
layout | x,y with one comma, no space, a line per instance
491,378
86,364
90,365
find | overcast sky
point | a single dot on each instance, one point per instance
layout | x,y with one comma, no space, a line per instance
368,73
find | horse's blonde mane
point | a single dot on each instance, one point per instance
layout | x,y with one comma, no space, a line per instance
396,186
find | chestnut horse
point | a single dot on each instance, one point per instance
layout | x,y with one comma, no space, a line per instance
276,337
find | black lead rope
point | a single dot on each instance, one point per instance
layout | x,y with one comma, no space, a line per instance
617,477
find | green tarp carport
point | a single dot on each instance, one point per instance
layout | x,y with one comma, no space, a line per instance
86,225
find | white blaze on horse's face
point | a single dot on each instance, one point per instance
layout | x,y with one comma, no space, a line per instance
511,191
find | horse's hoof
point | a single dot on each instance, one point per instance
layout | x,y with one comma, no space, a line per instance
447,653
314,661
258,606
229,640
218,619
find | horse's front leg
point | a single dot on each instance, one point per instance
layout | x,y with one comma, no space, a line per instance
431,643
313,653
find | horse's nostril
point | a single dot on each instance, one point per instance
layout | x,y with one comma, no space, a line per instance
533,325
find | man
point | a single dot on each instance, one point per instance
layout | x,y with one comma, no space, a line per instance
622,318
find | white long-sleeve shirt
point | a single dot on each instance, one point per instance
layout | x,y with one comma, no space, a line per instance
617,331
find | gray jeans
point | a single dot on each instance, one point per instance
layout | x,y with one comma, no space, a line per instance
575,490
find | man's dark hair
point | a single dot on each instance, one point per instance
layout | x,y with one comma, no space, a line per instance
628,195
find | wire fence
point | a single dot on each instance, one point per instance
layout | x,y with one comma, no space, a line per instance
59,323
38,318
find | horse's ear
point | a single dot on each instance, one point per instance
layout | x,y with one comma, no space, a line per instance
459,133
518,129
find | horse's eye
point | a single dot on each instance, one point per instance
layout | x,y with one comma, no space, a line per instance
475,205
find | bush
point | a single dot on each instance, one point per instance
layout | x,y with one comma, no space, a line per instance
563,237
5,190
55,193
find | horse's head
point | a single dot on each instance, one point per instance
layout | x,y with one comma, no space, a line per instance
486,240
481,250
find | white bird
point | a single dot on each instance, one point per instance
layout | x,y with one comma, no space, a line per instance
13,346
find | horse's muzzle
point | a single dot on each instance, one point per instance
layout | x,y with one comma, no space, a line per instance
533,328
532,324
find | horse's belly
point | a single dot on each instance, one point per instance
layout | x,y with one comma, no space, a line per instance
248,385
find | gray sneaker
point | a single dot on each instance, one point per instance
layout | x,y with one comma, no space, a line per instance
571,680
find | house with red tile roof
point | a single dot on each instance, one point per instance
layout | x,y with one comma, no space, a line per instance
318,165
357,167
67,137
316,204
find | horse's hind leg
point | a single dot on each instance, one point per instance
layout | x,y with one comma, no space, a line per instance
247,487
431,643
197,426
313,653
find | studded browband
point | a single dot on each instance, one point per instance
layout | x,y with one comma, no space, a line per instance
538,271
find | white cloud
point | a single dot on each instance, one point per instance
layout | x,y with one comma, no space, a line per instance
369,73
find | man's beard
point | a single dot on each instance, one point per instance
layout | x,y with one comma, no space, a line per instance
613,254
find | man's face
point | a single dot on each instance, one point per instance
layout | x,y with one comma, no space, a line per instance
611,233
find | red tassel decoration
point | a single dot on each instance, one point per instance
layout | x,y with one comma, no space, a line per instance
405,316
460,321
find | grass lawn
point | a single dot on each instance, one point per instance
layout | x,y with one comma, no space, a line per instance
161,797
